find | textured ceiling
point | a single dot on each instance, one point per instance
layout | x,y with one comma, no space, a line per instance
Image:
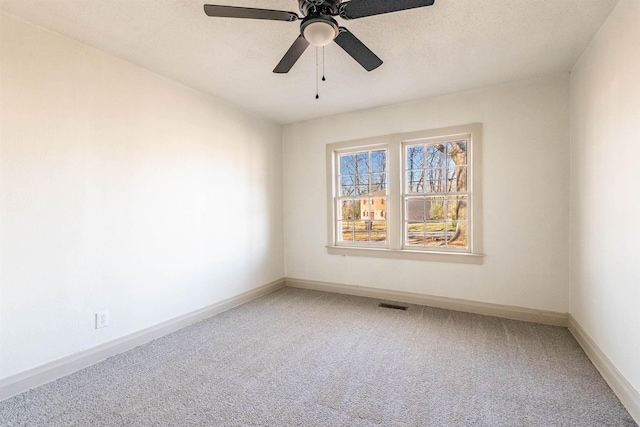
452,46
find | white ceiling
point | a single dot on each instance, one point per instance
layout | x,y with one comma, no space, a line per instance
452,46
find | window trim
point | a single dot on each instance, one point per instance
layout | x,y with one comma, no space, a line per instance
395,145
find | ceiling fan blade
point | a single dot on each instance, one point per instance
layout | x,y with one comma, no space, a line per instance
293,54
358,51
249,12
360,8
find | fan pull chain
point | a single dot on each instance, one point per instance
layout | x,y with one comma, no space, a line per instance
317,74
323,79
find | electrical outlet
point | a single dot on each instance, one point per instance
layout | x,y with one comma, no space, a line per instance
102,319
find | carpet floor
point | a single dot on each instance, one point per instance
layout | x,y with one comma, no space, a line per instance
305,358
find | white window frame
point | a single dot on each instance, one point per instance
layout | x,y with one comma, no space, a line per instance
337,199
395,145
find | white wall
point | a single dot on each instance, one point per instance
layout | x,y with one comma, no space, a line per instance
525,193
605,196
123,191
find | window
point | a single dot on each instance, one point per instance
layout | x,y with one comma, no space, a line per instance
435,194
414,195
361,175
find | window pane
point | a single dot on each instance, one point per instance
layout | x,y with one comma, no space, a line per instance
434,239
415,181
346,225
347,164
435,156
361,182
362,163
457,208
434,208
435,226
378,161
381,209
435,235
363,225
361,236
373,209
415,233
457,151
449,163
346,210
347,185
415,157
359,206
457,234
370,209
378,183
346,231
415,210
457,179
378,237
434,181
379,226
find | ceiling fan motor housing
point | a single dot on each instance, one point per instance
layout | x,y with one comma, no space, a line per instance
312,7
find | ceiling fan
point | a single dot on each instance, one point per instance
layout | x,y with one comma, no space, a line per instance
318,26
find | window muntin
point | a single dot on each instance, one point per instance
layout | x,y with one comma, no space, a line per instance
436,195
361,216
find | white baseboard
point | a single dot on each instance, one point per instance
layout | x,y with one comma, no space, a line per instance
497,310
51,371
627,394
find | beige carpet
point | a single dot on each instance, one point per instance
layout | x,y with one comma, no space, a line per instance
306,358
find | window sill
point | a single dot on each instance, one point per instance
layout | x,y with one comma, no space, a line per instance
460,258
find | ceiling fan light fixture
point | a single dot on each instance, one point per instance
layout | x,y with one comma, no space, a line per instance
319,32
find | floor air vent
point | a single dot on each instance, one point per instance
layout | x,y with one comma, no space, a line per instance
392,306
